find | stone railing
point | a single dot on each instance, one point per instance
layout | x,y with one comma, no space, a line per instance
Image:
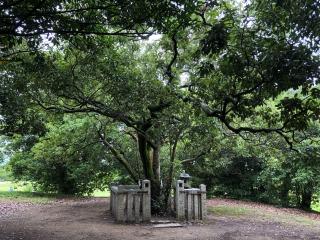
190,203
131,203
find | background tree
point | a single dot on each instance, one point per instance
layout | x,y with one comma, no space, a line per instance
76,164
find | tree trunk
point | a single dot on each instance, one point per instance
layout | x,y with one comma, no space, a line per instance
150,158
284,193
169,181
306,199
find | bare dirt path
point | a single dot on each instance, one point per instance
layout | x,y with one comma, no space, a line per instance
80,219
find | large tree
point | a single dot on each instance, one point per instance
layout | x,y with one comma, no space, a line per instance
214,60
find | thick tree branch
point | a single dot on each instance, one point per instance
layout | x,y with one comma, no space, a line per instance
7,55
117,155
222,116
173,150
173,59
121,32
196,157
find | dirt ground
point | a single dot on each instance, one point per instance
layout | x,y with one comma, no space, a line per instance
79,219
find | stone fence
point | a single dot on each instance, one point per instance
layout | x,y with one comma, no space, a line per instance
131,203
190,203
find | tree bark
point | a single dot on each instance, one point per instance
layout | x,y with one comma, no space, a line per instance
150,157
145,155
156,162
168,185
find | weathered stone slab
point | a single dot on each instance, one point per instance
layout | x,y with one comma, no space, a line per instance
196,206
189,207
137,207
130,213
203,202
161,221
127,187
168,225
121,205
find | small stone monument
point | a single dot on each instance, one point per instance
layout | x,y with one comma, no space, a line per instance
185,177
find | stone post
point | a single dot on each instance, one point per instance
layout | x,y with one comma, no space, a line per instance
130,213
189,216
203,202
121,206
196,206
112,197
111,200
137,200
180,200
146,200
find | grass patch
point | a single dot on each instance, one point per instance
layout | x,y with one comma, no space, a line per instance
15,187
316,207
298,220
28,197
262,215
234,211
99,193
23,192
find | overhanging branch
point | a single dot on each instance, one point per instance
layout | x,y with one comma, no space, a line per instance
117,155
173,59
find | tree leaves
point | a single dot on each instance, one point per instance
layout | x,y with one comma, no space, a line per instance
216,39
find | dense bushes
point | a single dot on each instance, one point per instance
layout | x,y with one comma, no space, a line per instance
68,160
4,174
270,173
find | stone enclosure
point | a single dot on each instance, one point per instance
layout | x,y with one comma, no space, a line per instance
190,203
132,203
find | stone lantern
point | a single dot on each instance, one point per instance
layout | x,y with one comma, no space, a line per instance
186,179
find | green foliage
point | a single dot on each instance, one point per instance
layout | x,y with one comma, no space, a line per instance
239,178
5,175
261,168
61,19
68,160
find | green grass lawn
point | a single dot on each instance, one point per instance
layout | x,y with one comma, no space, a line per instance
230,211
24,192
99,193
316,207
16,187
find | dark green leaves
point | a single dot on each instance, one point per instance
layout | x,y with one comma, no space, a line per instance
215,40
